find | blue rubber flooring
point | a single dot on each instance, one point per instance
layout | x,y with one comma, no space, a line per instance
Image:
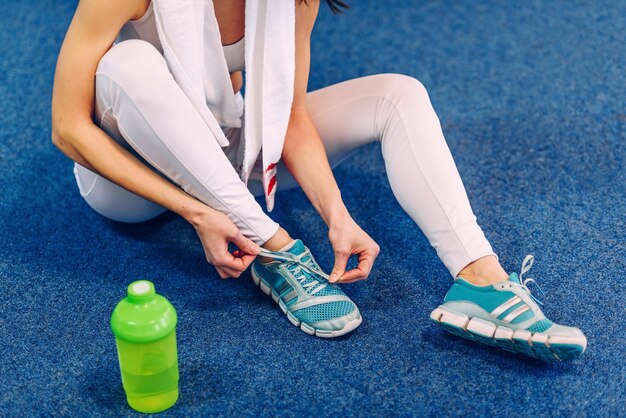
531,98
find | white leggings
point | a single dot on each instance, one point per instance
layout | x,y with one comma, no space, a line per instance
139,104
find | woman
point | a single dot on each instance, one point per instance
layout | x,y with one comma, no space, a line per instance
143,145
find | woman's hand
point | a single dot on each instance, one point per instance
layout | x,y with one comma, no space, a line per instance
216,231
347,238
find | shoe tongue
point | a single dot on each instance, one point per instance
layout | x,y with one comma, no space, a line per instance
514,278
297,247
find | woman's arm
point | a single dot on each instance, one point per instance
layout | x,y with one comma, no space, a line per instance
92,31
313,173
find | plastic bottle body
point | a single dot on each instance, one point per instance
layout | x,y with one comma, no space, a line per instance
144,324
149,373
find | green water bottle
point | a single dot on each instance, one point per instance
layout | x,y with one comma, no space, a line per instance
144,325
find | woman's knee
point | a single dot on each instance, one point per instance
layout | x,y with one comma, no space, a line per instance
131,61
409,113
400,88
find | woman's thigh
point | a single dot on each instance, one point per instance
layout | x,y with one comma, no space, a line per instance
346,115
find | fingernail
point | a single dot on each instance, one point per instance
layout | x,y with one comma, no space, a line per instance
334,277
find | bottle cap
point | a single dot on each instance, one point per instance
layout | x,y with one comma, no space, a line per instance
141,290
144,315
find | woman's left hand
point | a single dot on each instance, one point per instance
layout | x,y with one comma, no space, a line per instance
347,238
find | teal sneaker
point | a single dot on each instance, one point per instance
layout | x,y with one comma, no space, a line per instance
507,316
300,287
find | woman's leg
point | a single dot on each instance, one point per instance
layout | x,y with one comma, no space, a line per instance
113,201
395,109
105,197
137,94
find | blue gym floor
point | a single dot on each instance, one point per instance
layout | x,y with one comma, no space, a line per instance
531,98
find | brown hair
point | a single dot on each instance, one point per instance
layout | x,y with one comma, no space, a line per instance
335,5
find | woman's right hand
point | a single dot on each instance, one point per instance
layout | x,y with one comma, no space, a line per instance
216,231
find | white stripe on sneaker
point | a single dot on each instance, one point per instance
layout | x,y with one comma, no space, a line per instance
506,305
517,312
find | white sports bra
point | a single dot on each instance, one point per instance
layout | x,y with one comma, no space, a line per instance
235,55
145,28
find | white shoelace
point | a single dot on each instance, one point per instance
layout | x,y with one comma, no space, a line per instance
301,265
527,265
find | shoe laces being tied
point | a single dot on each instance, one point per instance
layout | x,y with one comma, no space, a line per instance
302,267
526,266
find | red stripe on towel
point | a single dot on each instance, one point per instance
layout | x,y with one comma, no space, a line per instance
271,184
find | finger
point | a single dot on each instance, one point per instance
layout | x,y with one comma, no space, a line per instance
341,260
222,273
229,271
362,271
247,260
232,273
342,281
245,245
354,279
352,276
238,264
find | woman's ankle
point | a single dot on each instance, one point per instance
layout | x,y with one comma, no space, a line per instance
484,271
279,240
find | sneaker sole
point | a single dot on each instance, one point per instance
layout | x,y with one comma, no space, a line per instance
535,345
267,289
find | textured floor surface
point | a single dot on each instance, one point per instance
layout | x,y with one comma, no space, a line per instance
531,98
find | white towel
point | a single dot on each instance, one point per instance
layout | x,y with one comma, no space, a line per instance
192,47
